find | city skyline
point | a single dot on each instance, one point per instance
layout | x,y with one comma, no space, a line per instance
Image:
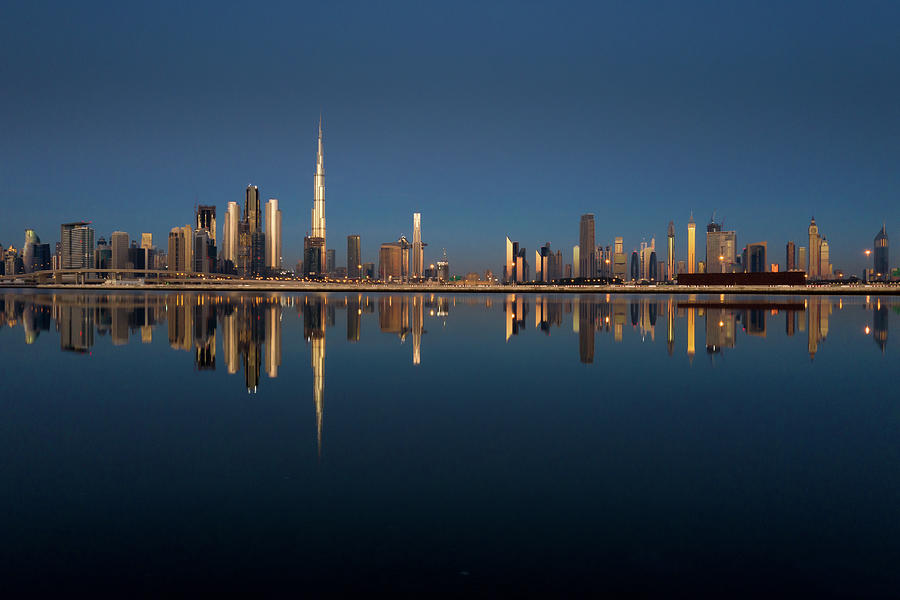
134,148
343,298
260,251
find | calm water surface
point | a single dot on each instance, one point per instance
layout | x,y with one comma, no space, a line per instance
635,445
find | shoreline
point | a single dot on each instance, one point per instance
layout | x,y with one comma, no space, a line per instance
304,287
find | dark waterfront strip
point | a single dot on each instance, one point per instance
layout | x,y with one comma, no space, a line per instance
261,286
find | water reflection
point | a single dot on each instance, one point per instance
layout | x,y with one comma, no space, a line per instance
722,319
243,332
250,326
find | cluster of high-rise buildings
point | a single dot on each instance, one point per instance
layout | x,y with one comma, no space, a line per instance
592,262
249,246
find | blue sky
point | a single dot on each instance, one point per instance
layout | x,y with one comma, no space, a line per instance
488,118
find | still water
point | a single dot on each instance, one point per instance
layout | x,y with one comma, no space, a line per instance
468,444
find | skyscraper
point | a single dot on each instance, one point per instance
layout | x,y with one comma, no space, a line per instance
258,253
244,248
418,257
205,258
443,267
226,242
181,249
31,240
692,246
206,221
721,248
882,266
354,257
814,256
273,234
35,255
509,270
576,261
318,210
201,250
546,260
102,256
390,262
588,258
251,209
313,257
329,261
230,233
76,245
790,262
670,259
118,241
824,259
619,266
801,259
755,259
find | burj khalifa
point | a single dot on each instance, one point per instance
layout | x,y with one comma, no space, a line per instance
318,210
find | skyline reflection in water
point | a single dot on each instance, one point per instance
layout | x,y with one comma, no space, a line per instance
581,436
250,325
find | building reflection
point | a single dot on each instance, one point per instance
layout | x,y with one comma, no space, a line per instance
818,311
880,324
244,331
720,329
248,326
587,326
314,323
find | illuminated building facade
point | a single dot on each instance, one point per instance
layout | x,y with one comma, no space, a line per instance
882,264
588,256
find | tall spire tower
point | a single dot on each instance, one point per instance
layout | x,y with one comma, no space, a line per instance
692,244
318,210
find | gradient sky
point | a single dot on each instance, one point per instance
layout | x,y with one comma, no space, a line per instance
488,118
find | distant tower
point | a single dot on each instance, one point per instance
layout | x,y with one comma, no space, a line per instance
670,259
76,245
824,259
230,232
180,248
206,221
814,246
790,262
509,271
588,259
882,268
418,256
692,245
330,259
273,234
251,209
443,267
119,242
354,257
318,210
